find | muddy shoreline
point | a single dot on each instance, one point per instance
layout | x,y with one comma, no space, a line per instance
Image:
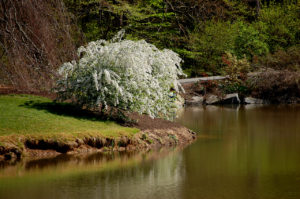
147,139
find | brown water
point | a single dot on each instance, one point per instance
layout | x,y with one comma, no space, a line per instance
250,152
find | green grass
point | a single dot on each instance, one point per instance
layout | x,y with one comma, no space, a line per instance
38,116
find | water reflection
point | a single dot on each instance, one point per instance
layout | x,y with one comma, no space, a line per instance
242,152
98,176
255,153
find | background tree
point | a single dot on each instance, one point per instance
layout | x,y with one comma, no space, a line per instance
36,36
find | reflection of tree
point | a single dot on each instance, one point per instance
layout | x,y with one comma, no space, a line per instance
159,179
254,148
102,176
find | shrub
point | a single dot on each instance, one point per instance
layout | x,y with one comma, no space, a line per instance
283,60
128,75
249,41
276,86
210,44
239,38
237,70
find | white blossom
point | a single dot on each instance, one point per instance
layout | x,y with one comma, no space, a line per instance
131,75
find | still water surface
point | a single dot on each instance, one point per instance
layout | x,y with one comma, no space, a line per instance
246,152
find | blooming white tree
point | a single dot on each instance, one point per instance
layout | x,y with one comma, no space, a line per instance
130,75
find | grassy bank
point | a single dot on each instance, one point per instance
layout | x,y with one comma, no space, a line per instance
38,127
33,115
42,124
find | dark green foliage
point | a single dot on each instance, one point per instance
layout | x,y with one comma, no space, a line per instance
239,38
166,24
231,87
150,21
281,24
94,22
200,31
276,28
211,43
146,19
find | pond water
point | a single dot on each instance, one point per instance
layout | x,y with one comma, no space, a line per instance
250,152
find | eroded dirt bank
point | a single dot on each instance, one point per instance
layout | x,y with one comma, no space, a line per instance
161,134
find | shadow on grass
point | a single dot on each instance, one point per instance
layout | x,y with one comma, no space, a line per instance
66,109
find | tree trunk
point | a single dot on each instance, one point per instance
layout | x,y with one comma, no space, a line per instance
257,8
